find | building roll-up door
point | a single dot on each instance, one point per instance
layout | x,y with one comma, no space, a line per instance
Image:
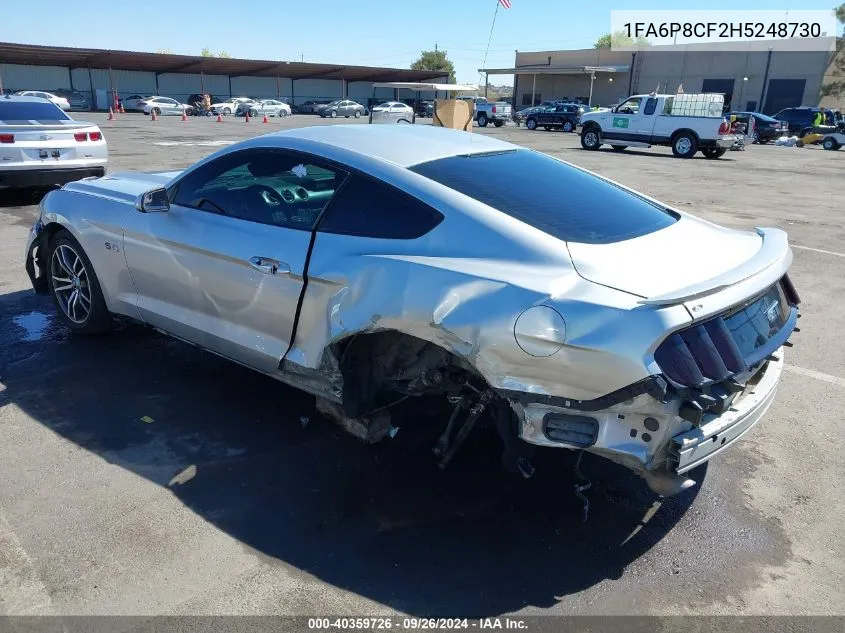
784,93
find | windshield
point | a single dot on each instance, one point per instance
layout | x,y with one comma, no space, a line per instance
334,103
559,199
14,111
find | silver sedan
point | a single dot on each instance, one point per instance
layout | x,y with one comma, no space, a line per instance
371,264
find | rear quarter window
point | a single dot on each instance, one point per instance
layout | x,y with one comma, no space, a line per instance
559,199
368,208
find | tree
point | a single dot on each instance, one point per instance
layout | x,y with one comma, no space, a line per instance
206,52
619,38
836,86
435,60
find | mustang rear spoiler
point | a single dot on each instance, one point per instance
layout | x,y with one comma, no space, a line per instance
770,262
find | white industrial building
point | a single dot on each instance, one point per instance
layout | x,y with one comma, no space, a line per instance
98,74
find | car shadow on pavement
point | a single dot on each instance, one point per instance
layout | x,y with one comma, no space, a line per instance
381,521
22,197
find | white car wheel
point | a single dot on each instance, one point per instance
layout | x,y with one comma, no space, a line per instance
227,111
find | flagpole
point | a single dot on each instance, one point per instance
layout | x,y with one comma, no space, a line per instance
489,39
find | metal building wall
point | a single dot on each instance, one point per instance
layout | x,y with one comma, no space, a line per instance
259,87
18,77
305,89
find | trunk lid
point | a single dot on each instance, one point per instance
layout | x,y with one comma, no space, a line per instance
686,263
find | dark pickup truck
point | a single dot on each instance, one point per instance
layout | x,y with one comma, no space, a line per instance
564,116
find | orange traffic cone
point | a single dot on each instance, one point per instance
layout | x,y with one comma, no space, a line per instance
122,111
111,115
219,118
265,119
246,117
184,116
153,116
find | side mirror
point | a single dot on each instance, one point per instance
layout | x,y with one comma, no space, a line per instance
155,201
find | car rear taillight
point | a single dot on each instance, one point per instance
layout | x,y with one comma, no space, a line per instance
7,138
494,109
95,136
81,136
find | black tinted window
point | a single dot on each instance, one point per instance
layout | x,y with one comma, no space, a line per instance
366,208
650,106
30,111
266,186
556,198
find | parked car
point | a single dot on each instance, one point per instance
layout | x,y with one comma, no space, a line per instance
285,253
312,106
163,106
75,99
802,119
485,112
394,110
425,109
765,128
229,106
269,107
344,108
519,117
133,102
42,146
564,117
59,101
688,123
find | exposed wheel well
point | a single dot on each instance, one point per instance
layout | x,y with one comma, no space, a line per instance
381,368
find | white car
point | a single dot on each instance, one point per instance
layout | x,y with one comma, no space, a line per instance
229,106
132,102
63,103
394,108
270,107
163,106
41,146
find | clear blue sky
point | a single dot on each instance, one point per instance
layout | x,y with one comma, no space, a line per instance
369,32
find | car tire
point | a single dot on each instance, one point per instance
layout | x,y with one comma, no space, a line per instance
253,113
357,114
227,111
67,257
568,126
713,152
498,123
482,120
157,111
333,114
830,143
531,124
755,137
684,145
591,138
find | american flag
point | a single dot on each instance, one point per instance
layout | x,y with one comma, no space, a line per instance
505,3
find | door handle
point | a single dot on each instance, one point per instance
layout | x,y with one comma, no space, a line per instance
269,266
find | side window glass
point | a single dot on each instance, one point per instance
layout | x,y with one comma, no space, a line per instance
650,106
631,106
273,187
367,208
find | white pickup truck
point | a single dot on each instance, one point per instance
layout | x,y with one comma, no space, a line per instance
688,123
497,113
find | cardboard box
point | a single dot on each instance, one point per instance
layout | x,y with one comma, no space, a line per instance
453,113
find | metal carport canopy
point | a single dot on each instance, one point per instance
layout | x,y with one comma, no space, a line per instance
554,70
162,63
410,85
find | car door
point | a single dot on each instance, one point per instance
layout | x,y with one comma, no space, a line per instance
625,121
224,267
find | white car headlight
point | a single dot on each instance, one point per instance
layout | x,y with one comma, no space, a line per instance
540,331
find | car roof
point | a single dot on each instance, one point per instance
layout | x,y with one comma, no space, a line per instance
20,98
403,145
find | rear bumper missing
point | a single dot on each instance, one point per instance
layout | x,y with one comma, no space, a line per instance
647,435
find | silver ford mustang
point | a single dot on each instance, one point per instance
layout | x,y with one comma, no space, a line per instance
369,264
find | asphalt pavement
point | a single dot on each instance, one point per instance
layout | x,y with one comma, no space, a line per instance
139,475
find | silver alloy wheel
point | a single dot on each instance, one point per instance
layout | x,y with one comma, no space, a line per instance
567,126
683,145
591,139
71,284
